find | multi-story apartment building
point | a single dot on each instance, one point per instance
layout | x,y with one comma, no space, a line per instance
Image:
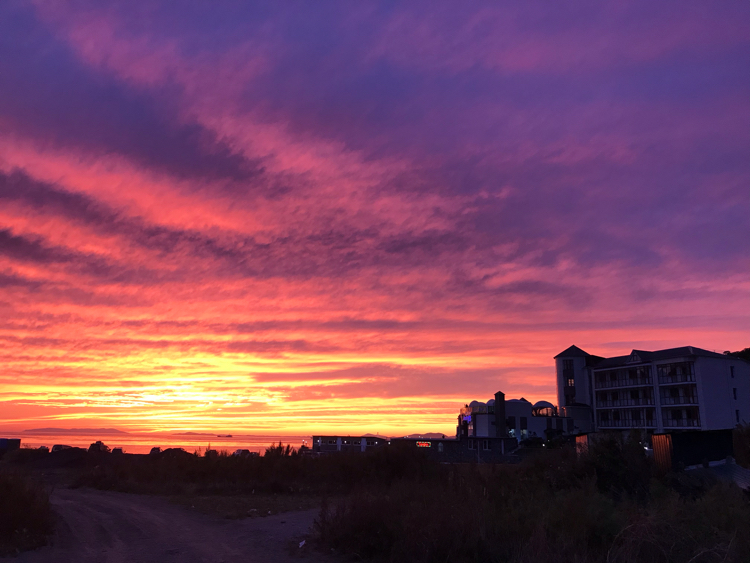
685,388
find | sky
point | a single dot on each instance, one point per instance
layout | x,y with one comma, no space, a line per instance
356,217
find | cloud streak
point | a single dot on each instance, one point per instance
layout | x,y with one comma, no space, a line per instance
331,216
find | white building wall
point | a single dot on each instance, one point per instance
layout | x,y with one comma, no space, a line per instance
581,376
483,424
715,393
716,385
742,382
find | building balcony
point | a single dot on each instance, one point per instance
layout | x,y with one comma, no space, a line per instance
630,423
625,403
689,400
682,423
676,378
628,382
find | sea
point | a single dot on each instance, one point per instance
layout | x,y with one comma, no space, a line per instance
141,443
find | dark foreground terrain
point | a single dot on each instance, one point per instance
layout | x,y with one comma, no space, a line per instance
103,527
555,504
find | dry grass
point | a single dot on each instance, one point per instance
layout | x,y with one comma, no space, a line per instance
25,516
552,508
247,505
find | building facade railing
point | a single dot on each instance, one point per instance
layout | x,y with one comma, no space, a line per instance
676,378
682,423
645,401
688,400
629,423
626,382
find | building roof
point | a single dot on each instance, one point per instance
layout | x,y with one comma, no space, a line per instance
543,405
572,352
644,356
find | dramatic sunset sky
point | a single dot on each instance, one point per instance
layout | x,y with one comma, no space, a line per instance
353,216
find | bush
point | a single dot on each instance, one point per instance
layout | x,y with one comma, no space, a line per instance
551,508
25,515
741,439
281,470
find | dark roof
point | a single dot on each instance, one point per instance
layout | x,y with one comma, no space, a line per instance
612,362
573,352
592,360
646,356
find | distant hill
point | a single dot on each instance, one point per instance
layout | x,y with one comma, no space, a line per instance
74,431
428,436
193,434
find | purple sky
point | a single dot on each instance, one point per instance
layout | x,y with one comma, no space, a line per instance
351,209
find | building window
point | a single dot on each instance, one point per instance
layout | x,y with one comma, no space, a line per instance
571,382
524,423
370,442
734,392
331,442
485,445
471,444
356,442
731,371
511,422
737,414
440,447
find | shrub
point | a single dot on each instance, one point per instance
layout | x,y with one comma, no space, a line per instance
741,439
551,508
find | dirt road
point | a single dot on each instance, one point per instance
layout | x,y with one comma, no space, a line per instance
105,527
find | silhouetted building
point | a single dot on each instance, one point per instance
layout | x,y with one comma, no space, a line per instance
684,388
462,449
512,418
9,444
351,444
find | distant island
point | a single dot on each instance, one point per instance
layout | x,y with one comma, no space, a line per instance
74,431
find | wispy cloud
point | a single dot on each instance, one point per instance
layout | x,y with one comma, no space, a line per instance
331,215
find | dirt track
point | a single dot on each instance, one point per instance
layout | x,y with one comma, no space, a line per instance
96,526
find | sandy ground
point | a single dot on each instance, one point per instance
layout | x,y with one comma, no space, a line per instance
98,526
